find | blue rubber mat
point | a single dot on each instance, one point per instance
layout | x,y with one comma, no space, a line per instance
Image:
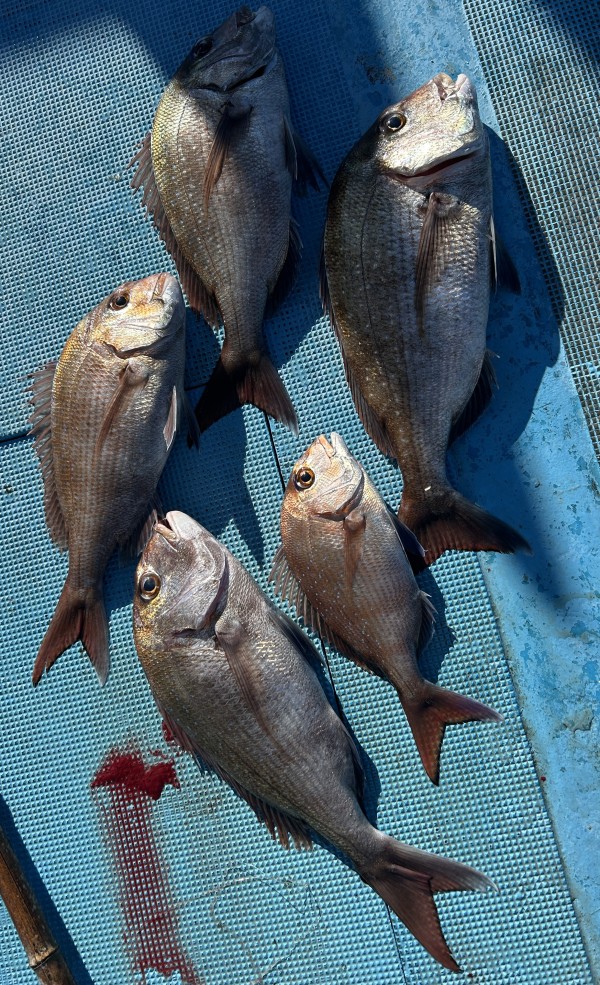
80,82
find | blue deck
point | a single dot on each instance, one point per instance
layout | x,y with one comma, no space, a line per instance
520,801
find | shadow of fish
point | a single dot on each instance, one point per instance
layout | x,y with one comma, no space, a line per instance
232,677
104,419
409,253
217,171
345,563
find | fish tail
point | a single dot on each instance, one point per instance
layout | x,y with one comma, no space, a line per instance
75,619
446,521
429,715
406,878
252,382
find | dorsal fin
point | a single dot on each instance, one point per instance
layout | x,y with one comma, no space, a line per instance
41,430
279,824
199,297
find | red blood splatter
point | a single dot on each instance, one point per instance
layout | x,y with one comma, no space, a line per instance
130,770
543,779
145,895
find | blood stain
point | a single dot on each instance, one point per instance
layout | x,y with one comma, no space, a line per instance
145,894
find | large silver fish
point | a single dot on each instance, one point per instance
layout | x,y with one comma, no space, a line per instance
409,254
104,420
232,677
345,562
217,171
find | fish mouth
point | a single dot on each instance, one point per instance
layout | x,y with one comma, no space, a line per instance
446,165
176,526
338,446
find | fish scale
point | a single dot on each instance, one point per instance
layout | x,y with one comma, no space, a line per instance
104,420
217,171
234,681
406,282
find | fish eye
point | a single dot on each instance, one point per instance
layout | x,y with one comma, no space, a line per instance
394,122
149,585
304,478
202,47
119,301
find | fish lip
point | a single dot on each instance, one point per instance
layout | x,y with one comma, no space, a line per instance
329,449
439,168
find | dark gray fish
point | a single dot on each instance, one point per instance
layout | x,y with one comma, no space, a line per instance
409,254
232,677
345,562
104,420
217,171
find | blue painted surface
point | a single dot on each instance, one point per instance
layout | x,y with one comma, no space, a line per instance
81,83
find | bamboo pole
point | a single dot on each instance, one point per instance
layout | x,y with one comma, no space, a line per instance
42,951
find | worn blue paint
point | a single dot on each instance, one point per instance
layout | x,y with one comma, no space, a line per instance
81,82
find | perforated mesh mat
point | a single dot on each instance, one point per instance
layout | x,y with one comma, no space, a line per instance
542,65
79,86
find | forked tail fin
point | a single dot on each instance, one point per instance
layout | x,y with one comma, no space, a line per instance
74,620
429,716
406,878
444,521
250,383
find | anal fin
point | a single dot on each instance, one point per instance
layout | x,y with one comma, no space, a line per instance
40,398
289,271
280,825
478,401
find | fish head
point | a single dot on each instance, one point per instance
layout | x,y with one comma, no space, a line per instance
139,315
327,482
181,583
436,129
237,51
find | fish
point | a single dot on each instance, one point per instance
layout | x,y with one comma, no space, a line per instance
104,419
217,169
409,257
347,564
235,682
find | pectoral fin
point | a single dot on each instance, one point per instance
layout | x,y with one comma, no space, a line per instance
354,537
132,378
432,248
233,118
233,639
